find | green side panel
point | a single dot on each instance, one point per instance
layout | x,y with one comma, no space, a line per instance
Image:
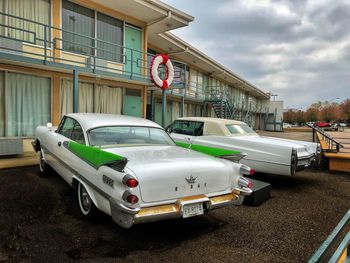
132,105
133,38
217,152
93,156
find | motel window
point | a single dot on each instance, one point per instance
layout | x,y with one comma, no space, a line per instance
25,103
36,13
78,28
110,38
179,72
81,36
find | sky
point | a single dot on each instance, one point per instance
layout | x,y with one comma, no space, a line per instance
297,49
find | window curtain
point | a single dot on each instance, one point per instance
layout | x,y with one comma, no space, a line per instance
66,97
35,10
27,103
109,30
85,97
186,110
200,89
192,88
176,110
2,17
2,105
80,20
108,99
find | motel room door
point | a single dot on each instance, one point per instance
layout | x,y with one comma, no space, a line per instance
133,40
158,113
132,103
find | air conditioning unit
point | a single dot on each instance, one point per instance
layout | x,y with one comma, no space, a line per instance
11,146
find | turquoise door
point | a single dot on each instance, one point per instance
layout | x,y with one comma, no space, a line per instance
133,44
132,103
158,113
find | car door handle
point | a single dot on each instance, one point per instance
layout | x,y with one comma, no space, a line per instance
59,144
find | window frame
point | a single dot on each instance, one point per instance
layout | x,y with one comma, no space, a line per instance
30,43
94,38
59,129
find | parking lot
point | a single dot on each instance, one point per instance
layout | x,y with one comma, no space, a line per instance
40,221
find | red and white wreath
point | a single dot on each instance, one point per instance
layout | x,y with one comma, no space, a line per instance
169,71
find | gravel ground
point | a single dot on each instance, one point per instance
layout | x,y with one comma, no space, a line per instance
40,222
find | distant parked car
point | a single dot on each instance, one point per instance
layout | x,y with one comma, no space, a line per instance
264,154
131,169
286,125
322,124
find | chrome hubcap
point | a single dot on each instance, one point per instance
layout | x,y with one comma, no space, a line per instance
85,199
42,163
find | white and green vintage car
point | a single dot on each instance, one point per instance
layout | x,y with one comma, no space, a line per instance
264,154
131,169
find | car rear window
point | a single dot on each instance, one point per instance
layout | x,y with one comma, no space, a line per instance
118,136
240,129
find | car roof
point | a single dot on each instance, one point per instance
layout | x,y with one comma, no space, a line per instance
211,120
93,120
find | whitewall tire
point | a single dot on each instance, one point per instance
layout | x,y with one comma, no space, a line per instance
86,205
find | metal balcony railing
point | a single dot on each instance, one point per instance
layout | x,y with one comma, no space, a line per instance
24,39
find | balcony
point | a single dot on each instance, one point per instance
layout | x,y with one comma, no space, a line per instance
34,43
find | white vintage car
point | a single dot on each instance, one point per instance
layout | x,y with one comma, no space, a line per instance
264,154
131,169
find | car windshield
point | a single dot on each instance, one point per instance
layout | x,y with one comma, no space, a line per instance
240,129
119,136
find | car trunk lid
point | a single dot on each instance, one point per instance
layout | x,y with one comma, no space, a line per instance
170,172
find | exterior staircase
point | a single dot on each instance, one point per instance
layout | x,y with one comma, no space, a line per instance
222,108
220,103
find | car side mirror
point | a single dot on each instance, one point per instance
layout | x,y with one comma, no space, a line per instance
168,130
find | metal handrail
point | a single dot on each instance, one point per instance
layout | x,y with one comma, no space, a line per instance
323,249
329,139
139,60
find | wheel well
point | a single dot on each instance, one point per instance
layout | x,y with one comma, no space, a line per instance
36,145
75,184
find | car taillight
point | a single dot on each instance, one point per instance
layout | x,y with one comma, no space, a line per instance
132,182
132,199
250,184
245,170
244,182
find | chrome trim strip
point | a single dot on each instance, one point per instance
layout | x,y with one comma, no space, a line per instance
262,161
244,191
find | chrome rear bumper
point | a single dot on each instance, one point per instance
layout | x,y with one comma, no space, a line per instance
126,216
305,162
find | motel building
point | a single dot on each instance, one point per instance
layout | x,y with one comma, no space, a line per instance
63,56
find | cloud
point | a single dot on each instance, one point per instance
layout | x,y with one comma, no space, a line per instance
299,49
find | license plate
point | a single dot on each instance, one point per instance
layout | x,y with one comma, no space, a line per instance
192,210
